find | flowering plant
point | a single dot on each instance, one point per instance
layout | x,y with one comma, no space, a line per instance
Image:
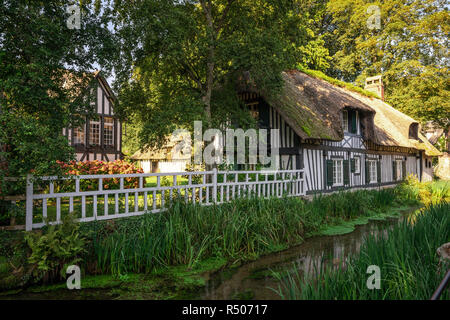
97,167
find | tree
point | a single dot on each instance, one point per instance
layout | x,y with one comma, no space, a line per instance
410,50
181,60
44,72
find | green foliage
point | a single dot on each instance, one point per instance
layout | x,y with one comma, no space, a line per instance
38,53
427,193
339,83
196,178
53,250
410,50
9,210
349,205
409,266
182,61
13,260
442,144
242,229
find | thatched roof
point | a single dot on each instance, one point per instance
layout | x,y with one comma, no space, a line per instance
392,126
312,107
432,132
173,149
148,154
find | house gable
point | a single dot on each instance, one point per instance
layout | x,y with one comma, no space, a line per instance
100,137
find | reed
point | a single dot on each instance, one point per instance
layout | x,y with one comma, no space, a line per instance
242,229
406,255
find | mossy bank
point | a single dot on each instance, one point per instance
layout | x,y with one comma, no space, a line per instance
171,255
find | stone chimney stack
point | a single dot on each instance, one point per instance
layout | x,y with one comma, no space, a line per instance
375,85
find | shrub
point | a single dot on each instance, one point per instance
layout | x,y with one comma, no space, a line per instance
426,192
96,167
55,249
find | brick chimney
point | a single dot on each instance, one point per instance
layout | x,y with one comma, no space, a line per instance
375,85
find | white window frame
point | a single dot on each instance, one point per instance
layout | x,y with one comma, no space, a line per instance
357,165
358,132
94,127
399,167
108,132
373,178
345,121
79,136
338,172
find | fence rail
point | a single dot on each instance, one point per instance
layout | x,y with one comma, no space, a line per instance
102,197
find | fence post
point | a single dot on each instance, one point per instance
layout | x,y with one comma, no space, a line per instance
29,203
214,193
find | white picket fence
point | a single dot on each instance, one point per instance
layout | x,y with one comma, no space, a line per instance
46,205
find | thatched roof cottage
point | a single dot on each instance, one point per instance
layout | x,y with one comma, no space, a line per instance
341,135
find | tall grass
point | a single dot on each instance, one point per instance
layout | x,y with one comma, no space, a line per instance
406,256
242,229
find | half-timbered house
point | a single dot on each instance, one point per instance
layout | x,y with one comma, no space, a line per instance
100,138
340,137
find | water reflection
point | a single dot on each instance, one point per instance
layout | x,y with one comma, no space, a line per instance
254,280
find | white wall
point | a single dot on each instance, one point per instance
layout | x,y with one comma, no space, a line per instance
146,165
172,166
427,173
164,166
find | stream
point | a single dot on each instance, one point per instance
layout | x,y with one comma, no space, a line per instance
255,280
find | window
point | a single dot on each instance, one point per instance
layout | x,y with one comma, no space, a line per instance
357,165
108,131
414,131
338,172
345,120
94,133
372,171
399,168
349,121
78,136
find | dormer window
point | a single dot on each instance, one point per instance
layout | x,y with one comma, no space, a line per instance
349,121
345,121
414,131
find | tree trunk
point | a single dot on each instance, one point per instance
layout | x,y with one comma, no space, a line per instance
206,5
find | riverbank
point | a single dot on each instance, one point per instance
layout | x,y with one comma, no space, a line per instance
172,255
218,279
405,256
173,282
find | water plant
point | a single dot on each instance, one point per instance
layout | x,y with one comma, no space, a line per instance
406,255
242,229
